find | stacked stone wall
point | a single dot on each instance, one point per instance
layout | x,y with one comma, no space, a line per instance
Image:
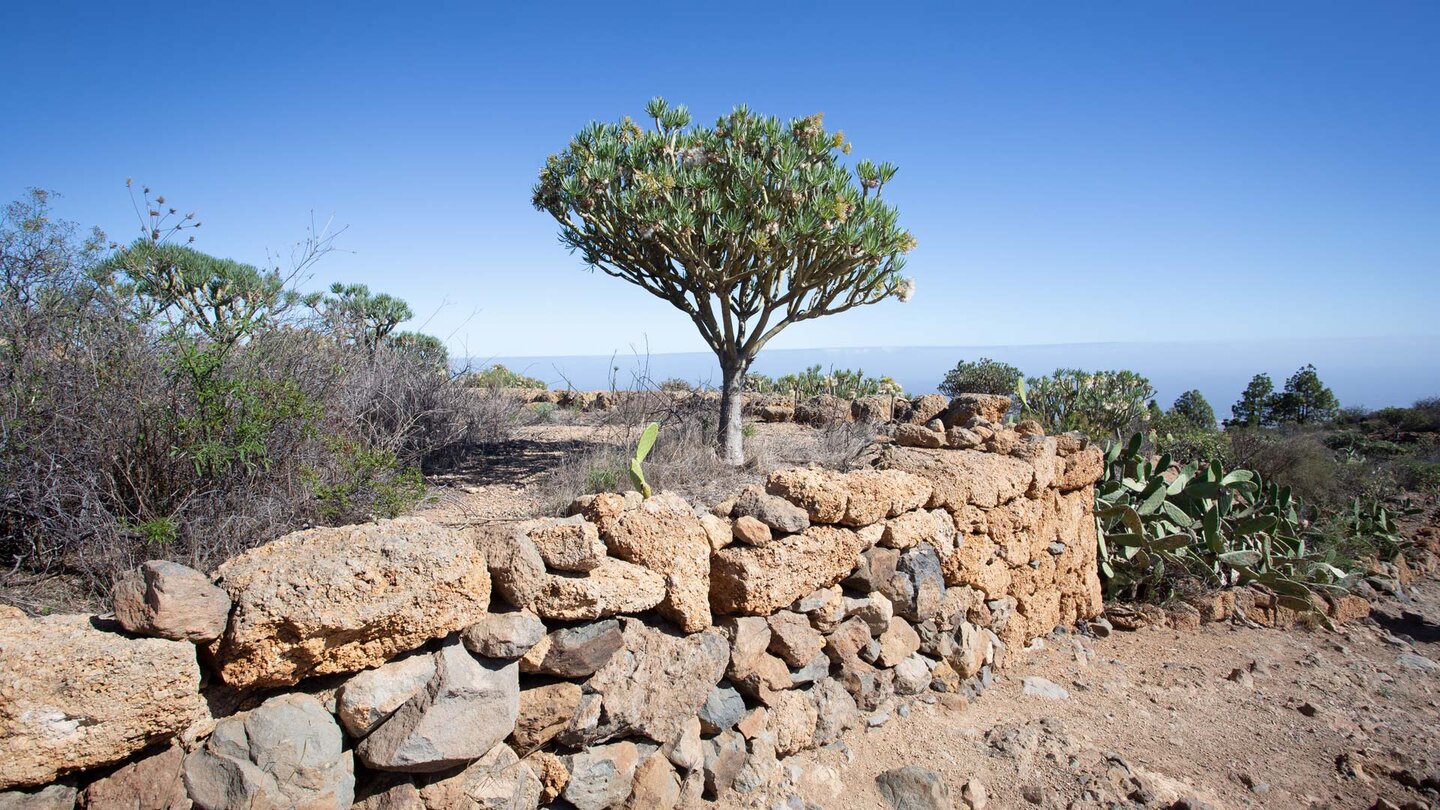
639,653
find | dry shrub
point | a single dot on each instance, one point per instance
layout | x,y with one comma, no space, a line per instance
125,435
684,460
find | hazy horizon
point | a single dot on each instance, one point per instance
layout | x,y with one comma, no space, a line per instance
1370,372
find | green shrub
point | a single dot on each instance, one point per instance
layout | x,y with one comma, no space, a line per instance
1099,404
498,376
1222,528
984,376
363,484
814,381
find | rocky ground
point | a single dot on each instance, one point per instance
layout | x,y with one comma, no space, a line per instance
1224,716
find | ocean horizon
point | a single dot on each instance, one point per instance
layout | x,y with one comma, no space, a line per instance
1367,372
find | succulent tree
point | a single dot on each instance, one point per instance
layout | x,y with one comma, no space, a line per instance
747,227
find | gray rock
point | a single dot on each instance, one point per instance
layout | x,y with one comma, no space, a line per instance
725,755
373,695
601,776
286,753
817,669
50,797
1036,686
504,635
914,788
169,600
876,610
577,652
1417,661
918,585
468,706
722,709
772,510
659,681
761,766
835,710
912,675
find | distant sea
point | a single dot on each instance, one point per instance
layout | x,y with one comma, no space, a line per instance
1369,372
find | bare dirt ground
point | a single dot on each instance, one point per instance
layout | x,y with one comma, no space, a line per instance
1227,716
1223,716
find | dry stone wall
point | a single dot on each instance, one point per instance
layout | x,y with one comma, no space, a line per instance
639,653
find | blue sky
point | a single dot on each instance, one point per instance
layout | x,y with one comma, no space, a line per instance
1074,172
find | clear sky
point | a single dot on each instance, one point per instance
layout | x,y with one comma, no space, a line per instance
1074,172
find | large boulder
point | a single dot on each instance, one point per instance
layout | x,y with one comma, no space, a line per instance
666,537
467,707
962,477
74,696
326,601
658,681
287,753
169,600
760,580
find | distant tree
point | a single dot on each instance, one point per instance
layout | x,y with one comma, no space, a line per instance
1195,409
354,313
747,227
1305,399
1253,407
984,376
429,349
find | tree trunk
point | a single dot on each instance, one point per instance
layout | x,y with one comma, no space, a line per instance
732,402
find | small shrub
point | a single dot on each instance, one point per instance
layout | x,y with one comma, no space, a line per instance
984,376
498,376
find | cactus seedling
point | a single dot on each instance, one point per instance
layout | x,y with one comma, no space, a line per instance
642,449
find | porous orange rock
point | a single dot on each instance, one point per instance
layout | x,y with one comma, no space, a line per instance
76,696
760,580
332,600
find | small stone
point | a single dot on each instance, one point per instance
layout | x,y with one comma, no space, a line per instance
725,755
568,544
974,794
169,600
914,788
544,712
772,510
722,709
369,697
751,531
467,707
1040,687
504,635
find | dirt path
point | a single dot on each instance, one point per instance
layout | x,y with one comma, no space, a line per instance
1308,719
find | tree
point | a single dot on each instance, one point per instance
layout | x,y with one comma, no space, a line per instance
1253,407
1305,399
1195,409
747,227
360,316
984,376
